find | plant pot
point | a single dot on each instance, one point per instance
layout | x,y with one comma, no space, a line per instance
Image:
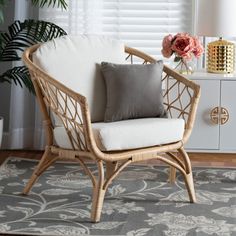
1,129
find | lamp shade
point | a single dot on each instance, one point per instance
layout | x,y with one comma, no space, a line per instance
216,18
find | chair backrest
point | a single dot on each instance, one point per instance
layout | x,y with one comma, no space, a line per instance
74,61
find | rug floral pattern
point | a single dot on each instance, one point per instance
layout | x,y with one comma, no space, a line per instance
140,202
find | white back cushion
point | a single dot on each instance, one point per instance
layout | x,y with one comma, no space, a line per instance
74,61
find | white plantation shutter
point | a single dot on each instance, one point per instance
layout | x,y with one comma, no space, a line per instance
139,23
81,17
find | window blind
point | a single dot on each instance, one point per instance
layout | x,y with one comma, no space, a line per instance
139,23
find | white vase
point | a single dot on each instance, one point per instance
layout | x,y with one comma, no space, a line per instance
1,129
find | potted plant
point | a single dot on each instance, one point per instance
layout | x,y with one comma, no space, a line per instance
21,35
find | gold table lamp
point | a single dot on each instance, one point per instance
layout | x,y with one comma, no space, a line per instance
215,18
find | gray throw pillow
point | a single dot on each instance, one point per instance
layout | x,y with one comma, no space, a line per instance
133,91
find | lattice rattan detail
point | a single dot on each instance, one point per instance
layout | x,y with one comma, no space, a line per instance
177,98
67,109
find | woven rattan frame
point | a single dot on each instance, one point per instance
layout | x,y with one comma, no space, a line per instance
181,97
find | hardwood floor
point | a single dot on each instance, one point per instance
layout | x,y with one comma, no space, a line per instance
197,159
213,159
19,153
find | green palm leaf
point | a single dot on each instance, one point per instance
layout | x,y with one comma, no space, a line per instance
42,3
24,34
20,36
19,75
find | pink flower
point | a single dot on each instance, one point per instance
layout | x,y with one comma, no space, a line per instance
198,49
166,46
183,46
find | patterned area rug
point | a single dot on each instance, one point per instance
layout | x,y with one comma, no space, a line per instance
140,202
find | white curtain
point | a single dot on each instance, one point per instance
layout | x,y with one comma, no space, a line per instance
139,23
25,123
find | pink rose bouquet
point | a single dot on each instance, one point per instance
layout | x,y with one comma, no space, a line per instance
183,45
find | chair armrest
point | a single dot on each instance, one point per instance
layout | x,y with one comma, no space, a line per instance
70,107
181,97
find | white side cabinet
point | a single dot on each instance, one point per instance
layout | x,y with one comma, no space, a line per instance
215,125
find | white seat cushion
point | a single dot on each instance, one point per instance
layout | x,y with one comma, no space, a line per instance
130,134
74,61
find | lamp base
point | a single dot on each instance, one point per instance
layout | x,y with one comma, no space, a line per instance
220,55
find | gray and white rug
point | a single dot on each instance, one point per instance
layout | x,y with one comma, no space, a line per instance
140,202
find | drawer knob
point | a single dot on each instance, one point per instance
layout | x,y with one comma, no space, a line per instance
224,115
214,115
219,115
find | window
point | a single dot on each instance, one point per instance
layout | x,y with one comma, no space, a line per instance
139,23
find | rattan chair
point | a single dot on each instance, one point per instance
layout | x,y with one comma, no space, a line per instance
181,98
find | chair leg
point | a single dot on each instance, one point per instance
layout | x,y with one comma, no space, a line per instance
188,176
97,204
172,175
110,168
190,187
44,163
98,195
